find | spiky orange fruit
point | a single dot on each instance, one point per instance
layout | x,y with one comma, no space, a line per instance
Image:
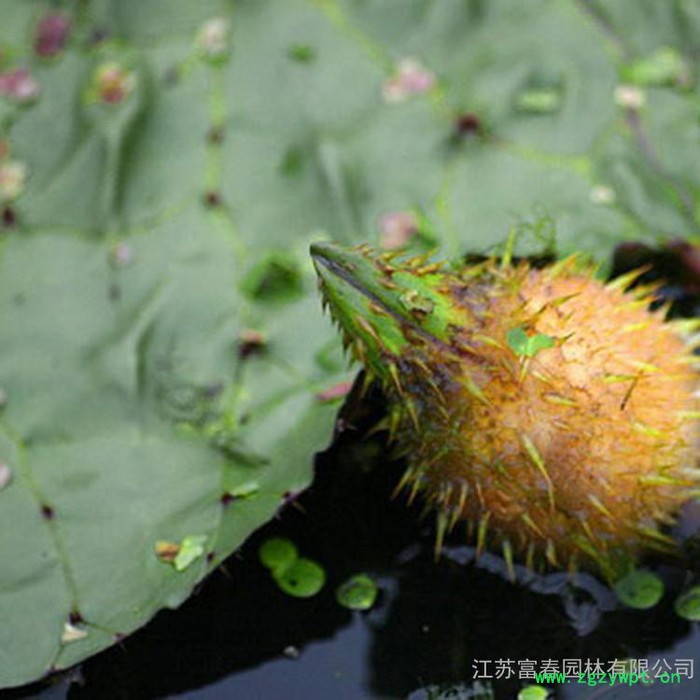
555,414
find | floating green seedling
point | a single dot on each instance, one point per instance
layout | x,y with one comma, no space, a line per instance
359,592
639,589
303,579
533,692
277,554
687,605
296,576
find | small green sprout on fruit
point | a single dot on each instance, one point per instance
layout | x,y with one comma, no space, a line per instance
526,345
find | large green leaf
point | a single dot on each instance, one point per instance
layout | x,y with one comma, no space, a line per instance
129,416
155,235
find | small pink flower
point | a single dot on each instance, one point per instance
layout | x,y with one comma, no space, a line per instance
121,255
51,34
602,194
5,475
213,37
13,175
250,342
396,228
337,391
19,85
410,78
113,83
630,97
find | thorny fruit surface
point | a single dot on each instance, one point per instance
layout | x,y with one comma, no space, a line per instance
568,447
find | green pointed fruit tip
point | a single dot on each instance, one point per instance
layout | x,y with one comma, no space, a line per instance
687,605
359,592
533,692
296,576
639,589
377,298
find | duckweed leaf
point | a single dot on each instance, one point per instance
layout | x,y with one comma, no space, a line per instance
687,605
359,592
277,554
639,589
533,692
302,579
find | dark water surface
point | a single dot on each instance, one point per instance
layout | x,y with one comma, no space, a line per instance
240,636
